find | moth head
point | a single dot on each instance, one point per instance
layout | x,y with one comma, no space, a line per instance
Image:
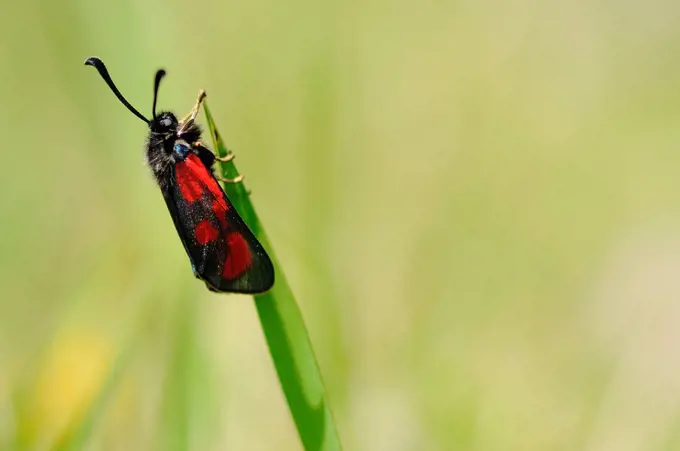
165,123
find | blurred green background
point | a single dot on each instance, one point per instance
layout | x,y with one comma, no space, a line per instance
477,206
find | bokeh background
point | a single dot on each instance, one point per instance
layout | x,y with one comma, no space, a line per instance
476,204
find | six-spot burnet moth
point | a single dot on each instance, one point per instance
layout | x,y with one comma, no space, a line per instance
223,252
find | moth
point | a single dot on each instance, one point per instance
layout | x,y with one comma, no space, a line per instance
223,252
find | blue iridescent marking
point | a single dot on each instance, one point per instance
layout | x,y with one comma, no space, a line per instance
180,151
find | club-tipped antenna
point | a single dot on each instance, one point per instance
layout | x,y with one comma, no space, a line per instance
159,76
101,68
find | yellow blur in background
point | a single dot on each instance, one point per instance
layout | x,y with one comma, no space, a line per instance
477,206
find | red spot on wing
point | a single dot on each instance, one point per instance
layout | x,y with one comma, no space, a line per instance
200,175
205,232
239,257
189,185
194,178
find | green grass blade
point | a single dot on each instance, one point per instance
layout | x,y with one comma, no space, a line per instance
285,330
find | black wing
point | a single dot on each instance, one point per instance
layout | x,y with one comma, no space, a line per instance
223,251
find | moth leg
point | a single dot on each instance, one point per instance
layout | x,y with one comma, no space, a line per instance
237,179
194,111
189,119
230,156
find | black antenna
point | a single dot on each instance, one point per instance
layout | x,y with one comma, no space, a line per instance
101,68
159,76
